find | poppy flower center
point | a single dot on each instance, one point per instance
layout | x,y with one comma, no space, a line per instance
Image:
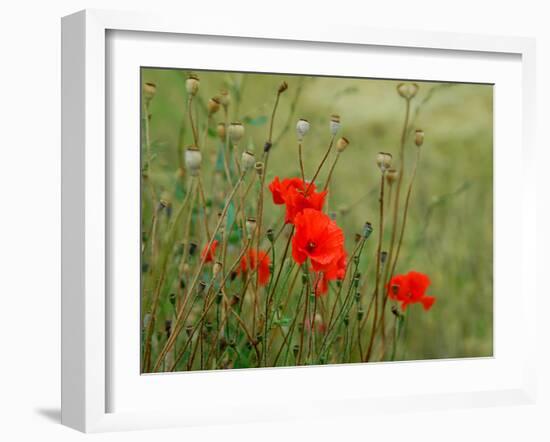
311,246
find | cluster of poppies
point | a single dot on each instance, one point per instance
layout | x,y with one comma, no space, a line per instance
409,289
317,238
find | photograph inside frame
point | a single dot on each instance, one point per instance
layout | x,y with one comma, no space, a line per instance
291,220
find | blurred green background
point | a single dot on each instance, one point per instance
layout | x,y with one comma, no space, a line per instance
449,230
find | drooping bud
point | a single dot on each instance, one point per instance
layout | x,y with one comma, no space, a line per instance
270,235
247,161
192,84
407,90
334,124
193,159
283,87
149,91
302,127
383,159
213,105
419,137
236,132
341,144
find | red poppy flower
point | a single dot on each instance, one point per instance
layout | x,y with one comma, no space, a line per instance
208,253
409,289
336,270
297,195
250,261
318,238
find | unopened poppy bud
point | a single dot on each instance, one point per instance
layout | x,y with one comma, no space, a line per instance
168,327
391,176
188,330
219,297
225,98
192,248
165,199
367,229
192,84
193,159
341,144
213,105
360,313
383,159
357,296
201,288
267,146
235,299
419,137
395,311
302,127
149,91
407,90
172,298
146,320
216,268
383,256
247,161
283,87
270,235
250,226
259,166
220,129
296,350
236,132
346,319
334,124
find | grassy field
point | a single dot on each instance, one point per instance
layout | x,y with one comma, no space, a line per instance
449,232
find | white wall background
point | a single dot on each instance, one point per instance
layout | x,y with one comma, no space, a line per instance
30,215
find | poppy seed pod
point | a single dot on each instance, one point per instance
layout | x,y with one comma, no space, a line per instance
192,84
250,225
334,124
247,161
220,129
407,90
213,105
236,132
225,98
341,144
419,137
383,159
259,166
391,176
283,87
149,91
302,127
216,268
193,159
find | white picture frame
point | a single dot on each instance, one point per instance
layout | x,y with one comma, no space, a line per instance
86,208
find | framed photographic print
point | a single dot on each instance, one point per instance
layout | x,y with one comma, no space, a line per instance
279,223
